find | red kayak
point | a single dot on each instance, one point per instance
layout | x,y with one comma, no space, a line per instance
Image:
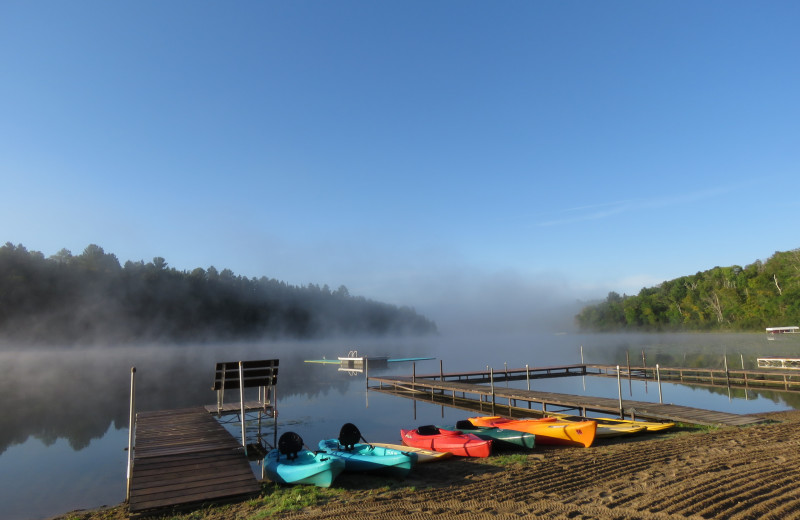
452,441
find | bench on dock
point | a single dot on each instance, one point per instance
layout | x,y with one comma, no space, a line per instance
261,374
239,375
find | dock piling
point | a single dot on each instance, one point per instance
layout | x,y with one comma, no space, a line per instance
491,382
619,388
658,376
241,404
131,419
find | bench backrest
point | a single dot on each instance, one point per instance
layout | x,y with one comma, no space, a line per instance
254,374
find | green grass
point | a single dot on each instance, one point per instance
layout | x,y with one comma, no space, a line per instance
276,499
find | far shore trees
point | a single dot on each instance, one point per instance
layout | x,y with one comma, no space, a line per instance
733,298
90,299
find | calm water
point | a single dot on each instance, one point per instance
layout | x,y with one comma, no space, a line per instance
65,413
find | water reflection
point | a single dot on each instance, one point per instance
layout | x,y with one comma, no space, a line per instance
66,411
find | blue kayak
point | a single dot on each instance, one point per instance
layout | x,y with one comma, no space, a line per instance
372,459
366,457
290,463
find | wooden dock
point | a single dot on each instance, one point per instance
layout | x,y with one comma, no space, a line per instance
490,397
184,457
770,378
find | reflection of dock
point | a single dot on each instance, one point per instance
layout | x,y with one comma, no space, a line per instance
452,389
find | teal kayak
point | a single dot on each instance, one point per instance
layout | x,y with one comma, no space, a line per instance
501,438
365,457
290,463
369,458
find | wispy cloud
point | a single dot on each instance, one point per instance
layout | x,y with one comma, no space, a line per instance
609,209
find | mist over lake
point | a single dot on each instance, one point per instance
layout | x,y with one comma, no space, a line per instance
65,421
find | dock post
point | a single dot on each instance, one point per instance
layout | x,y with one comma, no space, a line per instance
241,405
366,371
275,416
491,382
727,375
131,419
658,375
413,373
630,380
528,378
619,389
441,372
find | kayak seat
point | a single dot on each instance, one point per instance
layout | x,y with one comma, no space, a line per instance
428,429
465,425
349,435
290,445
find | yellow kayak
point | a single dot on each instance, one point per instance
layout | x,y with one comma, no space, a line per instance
649,426
547,430
422,454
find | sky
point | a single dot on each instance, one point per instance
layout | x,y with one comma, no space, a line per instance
441,154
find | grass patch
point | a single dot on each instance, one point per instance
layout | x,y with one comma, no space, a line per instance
277,499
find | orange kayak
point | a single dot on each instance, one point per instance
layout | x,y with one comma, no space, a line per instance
548,430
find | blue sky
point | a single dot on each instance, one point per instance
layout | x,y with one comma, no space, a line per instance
420,153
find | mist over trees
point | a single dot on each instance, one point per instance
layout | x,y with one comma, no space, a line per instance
734,298
91,299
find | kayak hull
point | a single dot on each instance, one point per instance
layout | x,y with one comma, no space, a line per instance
548,431
617,424
319,469
502,439
453,441
423,455
371,459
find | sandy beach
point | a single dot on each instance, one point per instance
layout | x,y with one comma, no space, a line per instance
727,473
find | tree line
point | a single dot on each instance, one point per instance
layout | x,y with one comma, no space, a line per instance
733,298
90,298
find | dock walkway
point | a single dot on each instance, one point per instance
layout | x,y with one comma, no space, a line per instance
414,387
183,457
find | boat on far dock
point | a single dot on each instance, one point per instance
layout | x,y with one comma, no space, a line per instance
774,332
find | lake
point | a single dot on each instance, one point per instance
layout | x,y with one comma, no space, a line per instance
65,412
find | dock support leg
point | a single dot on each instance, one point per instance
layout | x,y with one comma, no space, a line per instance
131,425
491,381
241,406
658,375
619,388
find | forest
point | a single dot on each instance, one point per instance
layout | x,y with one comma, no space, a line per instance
90,299
734,298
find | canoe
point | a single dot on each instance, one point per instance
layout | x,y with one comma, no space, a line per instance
461,444
422,454
648,426
369,458
502,439
290,463
548,430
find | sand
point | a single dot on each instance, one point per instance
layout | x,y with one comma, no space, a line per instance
728,473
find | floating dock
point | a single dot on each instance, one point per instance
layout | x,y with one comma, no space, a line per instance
355,363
